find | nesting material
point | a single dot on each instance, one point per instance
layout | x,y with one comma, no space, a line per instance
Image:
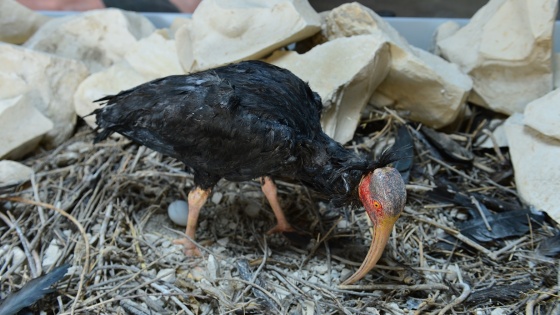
148,59
344,84
423,86
18,23
536,164
223,32
50,83
507,49
98,38
543,114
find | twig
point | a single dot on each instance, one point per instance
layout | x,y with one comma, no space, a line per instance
506,248
174,298
36,196
102,231
12,223
529,309
263,290
495,145
243,267
393,287
459,236
320,242
459,300
82,232
477,206
453,169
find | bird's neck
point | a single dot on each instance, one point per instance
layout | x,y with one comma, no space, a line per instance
333,170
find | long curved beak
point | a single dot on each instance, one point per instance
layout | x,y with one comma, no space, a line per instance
382,230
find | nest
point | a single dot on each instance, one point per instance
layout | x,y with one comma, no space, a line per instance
103,210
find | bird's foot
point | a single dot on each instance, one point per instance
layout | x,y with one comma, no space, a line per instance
189,248
281,228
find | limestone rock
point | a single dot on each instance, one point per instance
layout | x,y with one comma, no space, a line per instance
50,81
536,166
22,126
18,23
13,173
150,58
177,24
422,86
99,38
223,32
543,114
114,79
344,84
52,254
444,31
506,48
154,57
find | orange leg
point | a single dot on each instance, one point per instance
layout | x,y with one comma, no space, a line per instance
196,199
271,192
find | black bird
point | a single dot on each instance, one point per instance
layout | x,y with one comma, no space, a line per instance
252,120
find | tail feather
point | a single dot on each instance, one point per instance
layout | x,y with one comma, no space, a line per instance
102,135
105,125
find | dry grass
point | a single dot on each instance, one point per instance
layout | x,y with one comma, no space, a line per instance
104,207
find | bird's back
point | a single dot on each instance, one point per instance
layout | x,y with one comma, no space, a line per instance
238,122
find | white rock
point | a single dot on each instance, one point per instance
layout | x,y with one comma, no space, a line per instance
154,57
22,127
51,255
99,38
152,238
442,32
223,32
498,311
177,24
116,78
217,197
213,268
145,60
423,86
17,22
506,48
50,81
18,256
178,212
168,275
12,173
344,83
543,114
320,269
536,165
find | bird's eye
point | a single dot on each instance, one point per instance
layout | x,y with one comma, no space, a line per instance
376,204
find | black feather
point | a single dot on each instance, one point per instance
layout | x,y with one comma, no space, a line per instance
32,291
550,246
504,224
